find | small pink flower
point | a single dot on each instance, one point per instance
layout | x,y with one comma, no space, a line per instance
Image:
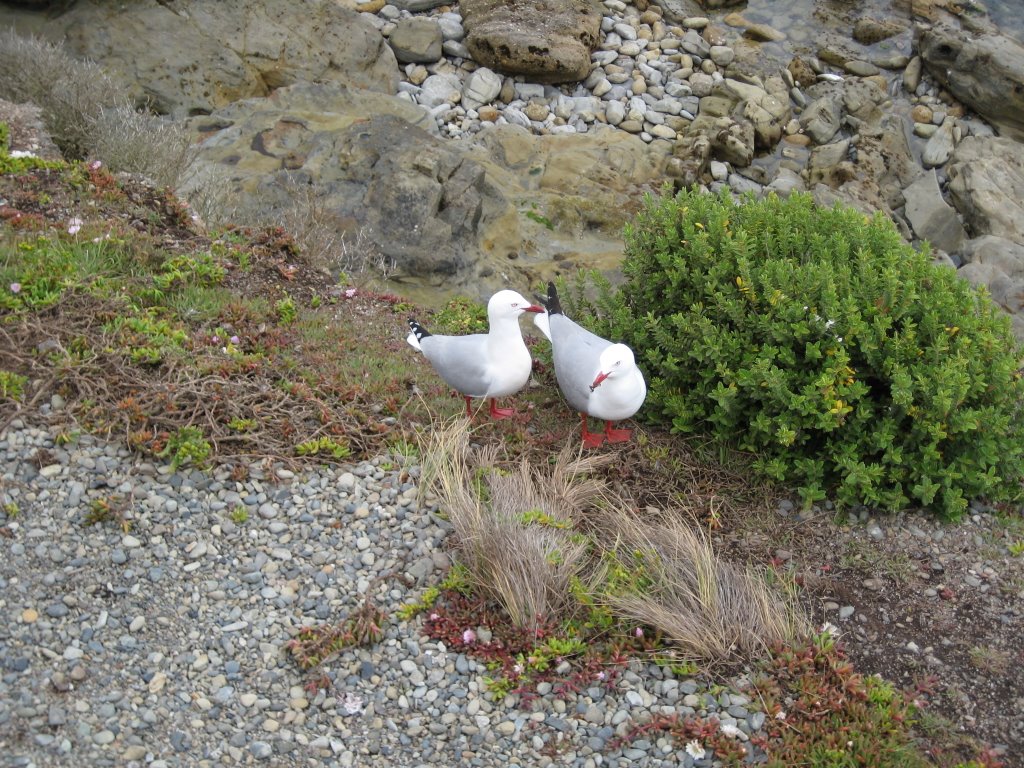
74,225
234,340
215,339
95,165
639,632
469,636
15,287
601,675
350,292
434,617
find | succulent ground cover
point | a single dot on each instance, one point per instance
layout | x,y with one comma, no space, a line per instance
122,315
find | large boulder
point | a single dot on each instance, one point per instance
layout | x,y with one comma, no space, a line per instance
192,58
983,69
548,41
468,215
998,264
987,186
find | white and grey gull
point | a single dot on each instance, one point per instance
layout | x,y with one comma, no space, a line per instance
597,377
493,364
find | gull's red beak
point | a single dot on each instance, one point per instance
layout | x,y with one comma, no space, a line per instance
597,382
534,308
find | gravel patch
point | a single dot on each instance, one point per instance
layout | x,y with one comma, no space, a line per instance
162,642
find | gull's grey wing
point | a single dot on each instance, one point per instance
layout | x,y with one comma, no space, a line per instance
460,360
576,353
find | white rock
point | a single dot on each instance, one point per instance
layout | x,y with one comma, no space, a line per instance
517,117
602,87
456,49
667,106
637,108
482,87
625,31
451,26
438,90
527,91
615,112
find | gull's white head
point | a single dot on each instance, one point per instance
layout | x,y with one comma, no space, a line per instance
615,361
509,303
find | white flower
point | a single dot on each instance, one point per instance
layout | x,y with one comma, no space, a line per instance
468,636
518,669
729,730
780,715
830,628
74,225
16,153
350,292
15,287
695,750
352,704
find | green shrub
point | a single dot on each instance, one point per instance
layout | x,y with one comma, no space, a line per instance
819,340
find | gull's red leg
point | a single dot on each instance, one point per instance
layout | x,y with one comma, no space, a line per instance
590,439
616,435
500,413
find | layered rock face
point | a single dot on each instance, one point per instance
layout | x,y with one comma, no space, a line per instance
495,142
188,58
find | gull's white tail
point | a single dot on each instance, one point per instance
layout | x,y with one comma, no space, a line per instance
543,323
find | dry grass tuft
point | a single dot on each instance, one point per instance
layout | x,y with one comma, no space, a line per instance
709,607
513,528
71,93
137,142
519,531
326,239
87,114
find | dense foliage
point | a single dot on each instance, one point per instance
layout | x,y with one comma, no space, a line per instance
820,341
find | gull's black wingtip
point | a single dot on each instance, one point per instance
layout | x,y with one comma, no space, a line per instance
419,330
551,303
